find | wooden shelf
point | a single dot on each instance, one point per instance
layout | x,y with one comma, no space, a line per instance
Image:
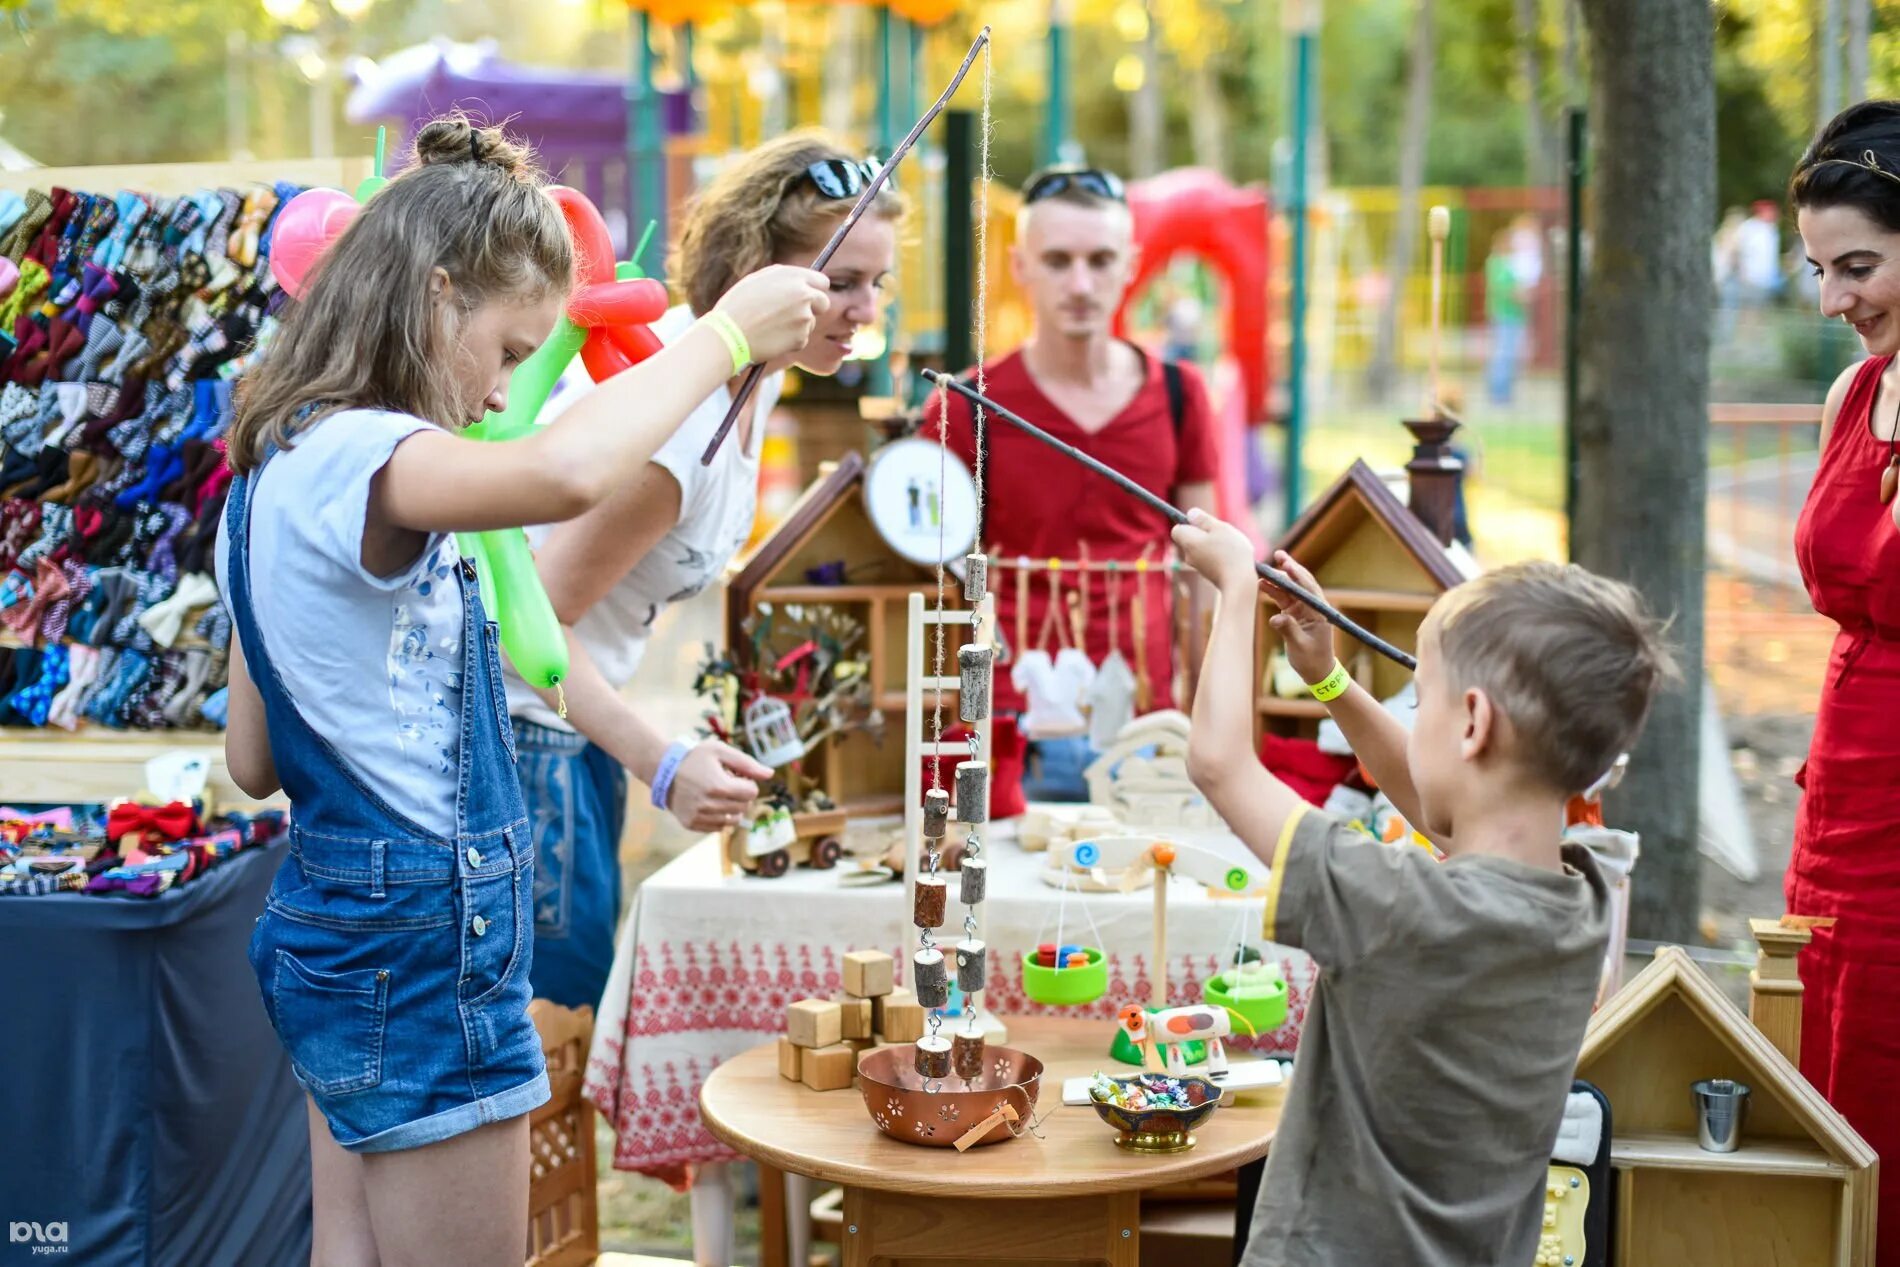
96,764
1274,706
1665,1151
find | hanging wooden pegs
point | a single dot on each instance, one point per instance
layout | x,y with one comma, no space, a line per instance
976,577
966,1055
972,961
933,1056
931,901
975,664
974,876
936,813
932,978
973,792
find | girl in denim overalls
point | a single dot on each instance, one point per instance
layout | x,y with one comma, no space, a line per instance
366,682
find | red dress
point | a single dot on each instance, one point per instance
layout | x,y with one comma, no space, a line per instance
1846,859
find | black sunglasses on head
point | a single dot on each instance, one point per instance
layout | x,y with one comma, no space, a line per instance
840,177
1088,179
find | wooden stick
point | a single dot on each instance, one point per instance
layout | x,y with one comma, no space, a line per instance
1158,970
856,213
1267,572
1438,222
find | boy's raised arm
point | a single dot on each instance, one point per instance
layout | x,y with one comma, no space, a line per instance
1221,761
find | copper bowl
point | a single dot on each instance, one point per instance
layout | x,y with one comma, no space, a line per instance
894,1093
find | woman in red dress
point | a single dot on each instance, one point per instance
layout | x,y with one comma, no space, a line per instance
1846,864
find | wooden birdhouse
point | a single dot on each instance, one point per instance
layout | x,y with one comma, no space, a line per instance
1798,1189
827,552
1381,561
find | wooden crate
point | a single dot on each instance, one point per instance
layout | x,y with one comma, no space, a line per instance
563,1207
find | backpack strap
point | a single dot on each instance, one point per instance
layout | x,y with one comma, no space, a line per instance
1176,383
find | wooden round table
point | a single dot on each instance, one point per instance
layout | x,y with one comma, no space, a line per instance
1070,1196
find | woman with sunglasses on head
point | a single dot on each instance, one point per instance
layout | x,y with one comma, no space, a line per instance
663,538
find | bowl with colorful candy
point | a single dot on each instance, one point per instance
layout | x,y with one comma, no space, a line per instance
1153,1112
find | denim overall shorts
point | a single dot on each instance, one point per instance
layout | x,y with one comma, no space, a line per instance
394,963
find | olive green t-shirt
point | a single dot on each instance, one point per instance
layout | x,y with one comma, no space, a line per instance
1439,1048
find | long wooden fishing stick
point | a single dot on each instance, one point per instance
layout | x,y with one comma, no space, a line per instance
858,209
1268,573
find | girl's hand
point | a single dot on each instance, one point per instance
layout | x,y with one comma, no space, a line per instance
1217,550
1308,638
777,308
714,786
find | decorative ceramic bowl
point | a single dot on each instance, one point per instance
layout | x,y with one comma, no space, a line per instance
1161,1130
894,1092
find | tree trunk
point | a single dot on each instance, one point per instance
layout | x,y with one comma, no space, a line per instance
1642,409
1859,32
1145,106
1537,149
1829,54
1383,373
1207,118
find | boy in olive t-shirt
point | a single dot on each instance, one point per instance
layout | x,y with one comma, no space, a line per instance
1452,997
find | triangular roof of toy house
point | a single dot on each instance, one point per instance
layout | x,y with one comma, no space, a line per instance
1672,1026
1359,508
827,524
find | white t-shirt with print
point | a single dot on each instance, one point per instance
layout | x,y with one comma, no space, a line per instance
717,504
373,664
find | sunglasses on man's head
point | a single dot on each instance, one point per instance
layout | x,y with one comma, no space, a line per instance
1088,179
840,177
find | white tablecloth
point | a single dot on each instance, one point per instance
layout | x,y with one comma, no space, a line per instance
706,965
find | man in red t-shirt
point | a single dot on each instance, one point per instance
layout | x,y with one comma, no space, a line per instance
1073,258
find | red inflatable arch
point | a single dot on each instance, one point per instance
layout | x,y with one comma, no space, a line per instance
1197,210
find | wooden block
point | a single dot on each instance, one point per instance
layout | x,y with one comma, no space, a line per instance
860,1045
857,1018
788,1059
829,1068
814,1022
899,1018
869,974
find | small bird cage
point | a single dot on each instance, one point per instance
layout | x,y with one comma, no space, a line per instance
769,732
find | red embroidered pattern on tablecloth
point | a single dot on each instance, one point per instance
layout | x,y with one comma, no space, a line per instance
690,988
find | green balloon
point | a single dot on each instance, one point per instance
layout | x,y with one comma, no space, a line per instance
504,566
530,632
369,187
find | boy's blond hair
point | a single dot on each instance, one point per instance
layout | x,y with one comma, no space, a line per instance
1570,659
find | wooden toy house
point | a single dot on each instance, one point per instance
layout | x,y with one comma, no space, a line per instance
1798,1190
1381,561
827,552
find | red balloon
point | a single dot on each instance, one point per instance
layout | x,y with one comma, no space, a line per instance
304,230
601,356
593,248
636,343
633,302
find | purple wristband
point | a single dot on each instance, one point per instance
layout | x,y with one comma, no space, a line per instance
669,766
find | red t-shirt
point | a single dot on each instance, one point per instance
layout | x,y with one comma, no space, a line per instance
1040,504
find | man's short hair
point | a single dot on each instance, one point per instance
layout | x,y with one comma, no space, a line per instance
1570,659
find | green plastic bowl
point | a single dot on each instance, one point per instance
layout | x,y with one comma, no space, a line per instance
1066,987
1263,1012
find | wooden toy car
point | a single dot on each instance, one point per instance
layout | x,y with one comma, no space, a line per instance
775,839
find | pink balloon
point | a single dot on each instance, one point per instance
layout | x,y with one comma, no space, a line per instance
9,276
304,230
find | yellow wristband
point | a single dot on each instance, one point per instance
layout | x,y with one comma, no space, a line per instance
1337,683
732,336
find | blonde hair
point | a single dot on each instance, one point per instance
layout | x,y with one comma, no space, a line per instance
761,209
1570,659
368,332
